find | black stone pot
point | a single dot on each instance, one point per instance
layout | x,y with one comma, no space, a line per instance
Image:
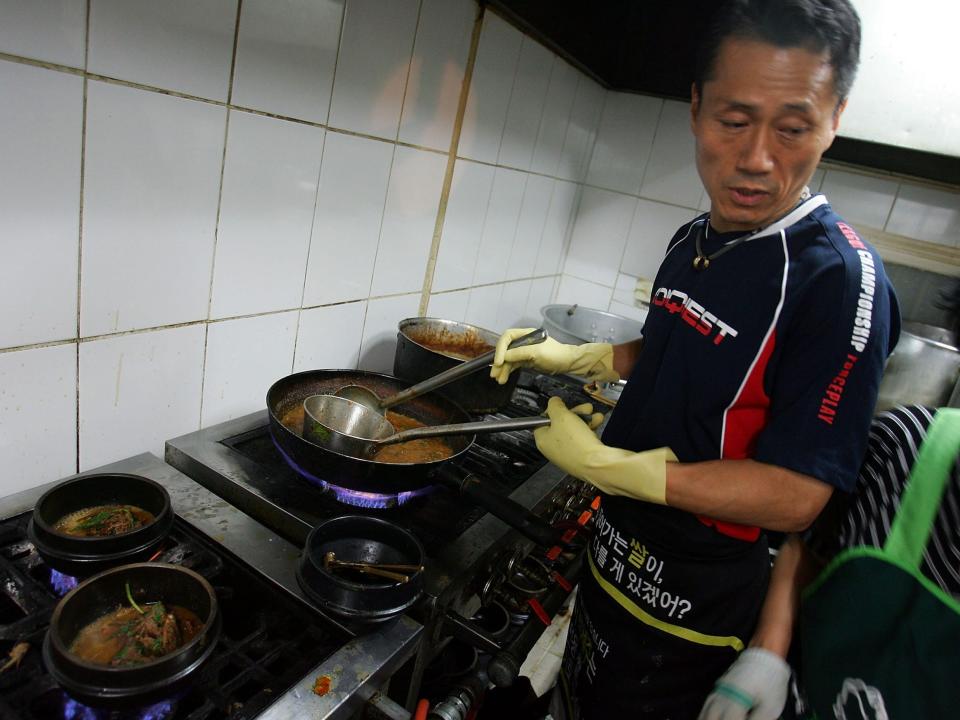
362,599
85,556
124,687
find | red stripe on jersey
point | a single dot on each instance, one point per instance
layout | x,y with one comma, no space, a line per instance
748,415
742,424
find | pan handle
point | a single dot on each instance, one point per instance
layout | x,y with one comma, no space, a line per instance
503,508
468,428
458,371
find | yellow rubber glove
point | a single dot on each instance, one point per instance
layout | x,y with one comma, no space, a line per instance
571,445
592,360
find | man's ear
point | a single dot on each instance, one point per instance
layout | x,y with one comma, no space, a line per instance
694,103
841,106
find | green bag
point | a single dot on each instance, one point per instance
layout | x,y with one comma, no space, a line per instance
879,639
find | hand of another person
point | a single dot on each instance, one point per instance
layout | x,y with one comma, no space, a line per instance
592,360
754,687
570,444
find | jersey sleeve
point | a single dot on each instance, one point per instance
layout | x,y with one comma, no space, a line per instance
833,348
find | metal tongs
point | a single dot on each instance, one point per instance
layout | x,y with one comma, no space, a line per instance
384,570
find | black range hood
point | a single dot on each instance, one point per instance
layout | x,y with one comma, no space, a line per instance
649,47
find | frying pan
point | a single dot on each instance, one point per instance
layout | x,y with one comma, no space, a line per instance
285,402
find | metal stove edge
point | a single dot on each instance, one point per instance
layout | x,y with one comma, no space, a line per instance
357,670
202,454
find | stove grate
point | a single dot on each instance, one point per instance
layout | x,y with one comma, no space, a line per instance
269,641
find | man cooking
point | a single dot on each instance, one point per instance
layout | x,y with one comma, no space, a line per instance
751,391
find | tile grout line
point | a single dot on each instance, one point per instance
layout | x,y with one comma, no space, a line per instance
406,79
896,196
336,61
306,264
445,188
216,227
83,158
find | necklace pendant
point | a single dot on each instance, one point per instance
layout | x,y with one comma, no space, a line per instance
701,262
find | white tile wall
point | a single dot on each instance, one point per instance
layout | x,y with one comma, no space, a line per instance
530,225
372,66
926,214
408,221
266,212
574,291
526,105
624,140
152,177
380,330
483,307
463,225
581,129
513,304
436,72
599,236
541,293
346,227
178,45
322,234
329,337
653,225
286,55
671,173
52,31
244,357
38,416
555,118
490,88
553,242
137,390
860,199
449,305
40,135
500,226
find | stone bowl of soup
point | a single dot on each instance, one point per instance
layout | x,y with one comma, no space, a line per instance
132,635
94,522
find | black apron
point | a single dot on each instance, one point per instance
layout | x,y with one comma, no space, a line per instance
879,638
652,628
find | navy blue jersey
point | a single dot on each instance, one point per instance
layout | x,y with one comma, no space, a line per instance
774,352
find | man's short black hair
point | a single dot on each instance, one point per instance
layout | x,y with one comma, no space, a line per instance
815,25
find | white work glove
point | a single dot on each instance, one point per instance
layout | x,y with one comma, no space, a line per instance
570,444
592,360
754,687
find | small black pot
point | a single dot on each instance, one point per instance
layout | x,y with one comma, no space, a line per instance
119,687
362,599
84,556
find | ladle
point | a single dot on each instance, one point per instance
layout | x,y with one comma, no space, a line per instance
369,399
350,428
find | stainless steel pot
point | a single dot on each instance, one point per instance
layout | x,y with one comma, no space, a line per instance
576,325
922,370
426,347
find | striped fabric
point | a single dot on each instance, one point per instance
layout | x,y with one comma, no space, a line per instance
864,518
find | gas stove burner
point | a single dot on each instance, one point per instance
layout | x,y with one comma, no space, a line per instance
356,498
73,710
374,501
62,584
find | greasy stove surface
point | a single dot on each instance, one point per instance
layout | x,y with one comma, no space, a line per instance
239,461
269,641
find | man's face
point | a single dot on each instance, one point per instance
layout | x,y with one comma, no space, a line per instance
761,125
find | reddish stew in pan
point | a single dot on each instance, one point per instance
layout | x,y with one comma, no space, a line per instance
413,451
